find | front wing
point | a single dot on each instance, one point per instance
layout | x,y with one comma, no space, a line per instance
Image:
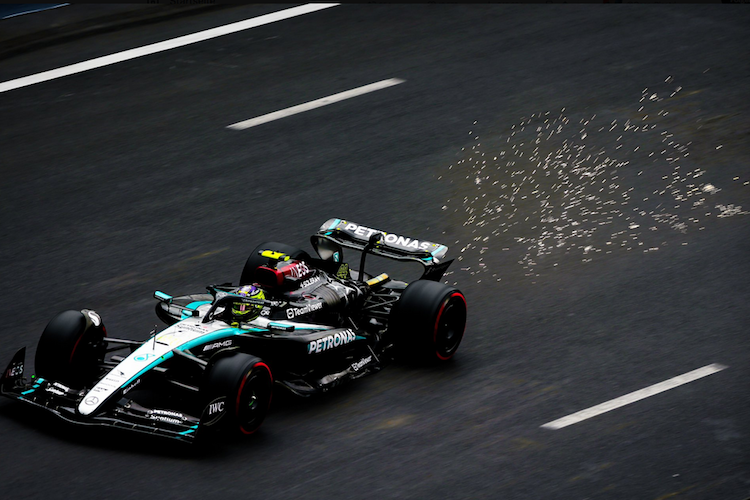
62,401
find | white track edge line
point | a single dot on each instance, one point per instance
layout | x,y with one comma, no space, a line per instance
634,396
162,46
317,103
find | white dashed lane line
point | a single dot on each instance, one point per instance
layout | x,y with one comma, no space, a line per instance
634,396
324,101
162,46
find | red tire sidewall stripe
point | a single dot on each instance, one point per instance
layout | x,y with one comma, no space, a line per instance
70,361
72,353
437,322
242,386
270,375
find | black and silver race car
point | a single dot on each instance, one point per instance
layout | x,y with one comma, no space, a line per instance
319,324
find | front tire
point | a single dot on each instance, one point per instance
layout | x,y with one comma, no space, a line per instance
71,348
244,383
429,321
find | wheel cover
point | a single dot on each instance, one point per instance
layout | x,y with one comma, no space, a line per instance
449,326
253,398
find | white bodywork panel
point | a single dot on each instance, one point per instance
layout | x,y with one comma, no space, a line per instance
158,349
150,354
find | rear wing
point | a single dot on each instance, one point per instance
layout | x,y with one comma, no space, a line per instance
337,233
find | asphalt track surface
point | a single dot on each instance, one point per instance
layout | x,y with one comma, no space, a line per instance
125,179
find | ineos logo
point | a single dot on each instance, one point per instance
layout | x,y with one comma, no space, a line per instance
299,270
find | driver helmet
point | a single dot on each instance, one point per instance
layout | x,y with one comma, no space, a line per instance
247,312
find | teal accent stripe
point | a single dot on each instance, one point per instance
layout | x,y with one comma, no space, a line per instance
194,306
334,224
438,249
217,335
192,429
279,325
27,392
148,367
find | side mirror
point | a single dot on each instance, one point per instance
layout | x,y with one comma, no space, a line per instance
163,297
327,249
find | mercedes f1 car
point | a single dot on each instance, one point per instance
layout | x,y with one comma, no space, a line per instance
319,323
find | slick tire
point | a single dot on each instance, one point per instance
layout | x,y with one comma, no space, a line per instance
429,321
240,386
71,348
255,260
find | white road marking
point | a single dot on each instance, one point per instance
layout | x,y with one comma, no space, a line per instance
324,101
42,7
162,46
634,396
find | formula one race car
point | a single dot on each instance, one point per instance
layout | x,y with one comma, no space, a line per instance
308,325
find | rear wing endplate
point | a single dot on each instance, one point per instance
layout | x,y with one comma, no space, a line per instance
344,233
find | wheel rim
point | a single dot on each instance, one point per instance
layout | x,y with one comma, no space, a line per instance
253,398
449,326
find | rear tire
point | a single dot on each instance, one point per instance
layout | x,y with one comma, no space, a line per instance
246,384
429,321
255,260
71,348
